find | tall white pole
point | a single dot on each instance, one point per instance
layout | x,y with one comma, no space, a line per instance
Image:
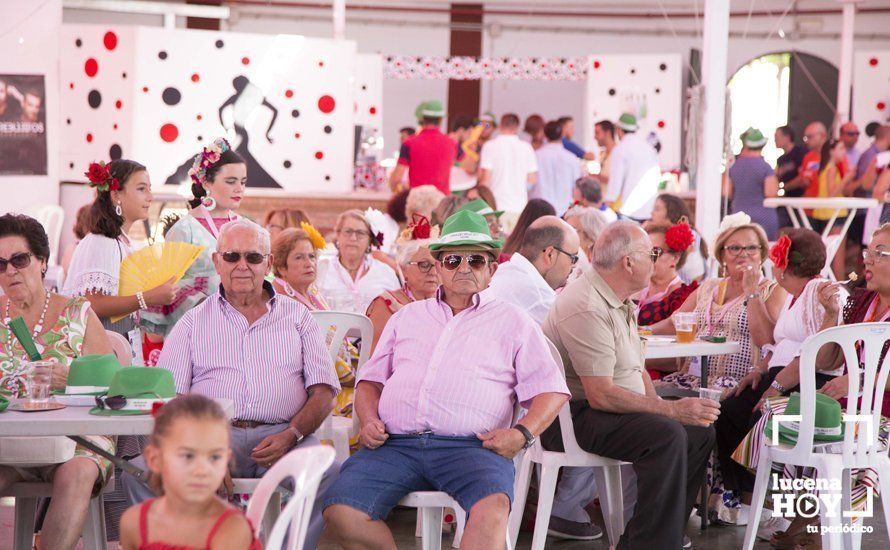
845,71
338,7
708,178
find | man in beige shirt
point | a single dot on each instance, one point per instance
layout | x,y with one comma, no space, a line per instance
614,406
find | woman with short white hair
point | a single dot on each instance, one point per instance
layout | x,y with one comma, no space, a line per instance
589,223
417,270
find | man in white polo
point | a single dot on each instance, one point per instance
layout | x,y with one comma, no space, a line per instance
508,166
633,173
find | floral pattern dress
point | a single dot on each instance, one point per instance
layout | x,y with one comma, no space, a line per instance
63,342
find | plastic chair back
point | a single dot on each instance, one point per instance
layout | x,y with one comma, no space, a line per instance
344,323
121,348
566,427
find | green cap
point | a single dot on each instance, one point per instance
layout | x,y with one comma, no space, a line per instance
91,374
466,228
829,426
432,109
480,207
628,122
490,118
142,387
753,138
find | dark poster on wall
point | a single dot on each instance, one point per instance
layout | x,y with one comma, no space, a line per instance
22,125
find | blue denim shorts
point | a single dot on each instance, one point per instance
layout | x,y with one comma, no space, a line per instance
374,481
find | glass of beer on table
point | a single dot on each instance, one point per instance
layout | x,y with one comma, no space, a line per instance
685,326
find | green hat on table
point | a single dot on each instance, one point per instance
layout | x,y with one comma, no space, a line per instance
430,109
91,374
135,390
753,138
480,207
466,228
828,423
628,122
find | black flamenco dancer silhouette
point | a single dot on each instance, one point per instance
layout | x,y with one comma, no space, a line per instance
247,98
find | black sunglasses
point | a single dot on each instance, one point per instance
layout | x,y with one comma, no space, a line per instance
572,257
475,261
18,261
113,402
251,257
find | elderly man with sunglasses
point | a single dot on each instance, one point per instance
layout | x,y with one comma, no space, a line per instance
264,353
437,400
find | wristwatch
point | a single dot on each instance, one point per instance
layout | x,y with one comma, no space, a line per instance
778,387
752,296
529,438
297,434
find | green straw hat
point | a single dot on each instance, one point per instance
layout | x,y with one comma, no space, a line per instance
466,228
480,207
91,374
628,122
753,138
828,423
135,390
431,109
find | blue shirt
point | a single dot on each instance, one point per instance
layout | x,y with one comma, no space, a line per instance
573,148
558,170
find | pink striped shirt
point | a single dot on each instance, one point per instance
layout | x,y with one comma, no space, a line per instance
265,368
459,375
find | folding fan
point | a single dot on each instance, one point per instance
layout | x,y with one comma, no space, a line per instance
154,265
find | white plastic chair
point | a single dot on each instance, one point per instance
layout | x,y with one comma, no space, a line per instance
121,348
306,467
50,217
608,483
337,428
862,452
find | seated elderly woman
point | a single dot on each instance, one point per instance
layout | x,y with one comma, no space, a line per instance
422,200
353,278
666,292
416,265
277,220
62,328
588,222
865,305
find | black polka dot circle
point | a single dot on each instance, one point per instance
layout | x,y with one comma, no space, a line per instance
94,98
662,67
162,55
328,129
295,113
611,91
220,44
287,164
78,42
171,96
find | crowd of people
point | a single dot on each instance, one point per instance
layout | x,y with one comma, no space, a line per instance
464,291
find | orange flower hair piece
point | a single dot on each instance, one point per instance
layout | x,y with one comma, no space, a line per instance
315,237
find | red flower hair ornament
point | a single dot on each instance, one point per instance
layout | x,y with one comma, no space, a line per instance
679,237
782,255
100,178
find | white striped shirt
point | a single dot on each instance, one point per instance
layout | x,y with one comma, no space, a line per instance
264,368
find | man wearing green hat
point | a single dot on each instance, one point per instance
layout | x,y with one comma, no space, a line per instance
436,400
634,173
750,180
428,155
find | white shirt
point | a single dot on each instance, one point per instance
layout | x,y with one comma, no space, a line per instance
344,294
558,170
633,177
510,161
518,282
96,265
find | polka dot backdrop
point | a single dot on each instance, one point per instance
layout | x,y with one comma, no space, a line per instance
369,91
871,90
650,86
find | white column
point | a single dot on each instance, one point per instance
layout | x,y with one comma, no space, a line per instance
338,7
845,70
708,182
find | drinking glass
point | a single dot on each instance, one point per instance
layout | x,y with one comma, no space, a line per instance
710,393
685,326
40,374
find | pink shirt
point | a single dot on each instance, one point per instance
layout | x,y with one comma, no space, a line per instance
265,368
458,375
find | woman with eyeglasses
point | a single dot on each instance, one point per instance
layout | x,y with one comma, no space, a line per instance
351,279
277,220
123,197
62,328
219,178
666,291
417,268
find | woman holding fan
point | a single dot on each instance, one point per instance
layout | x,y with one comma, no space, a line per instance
123,197
219,176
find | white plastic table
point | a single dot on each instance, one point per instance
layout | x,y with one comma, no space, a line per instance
703,350
799,218
78,421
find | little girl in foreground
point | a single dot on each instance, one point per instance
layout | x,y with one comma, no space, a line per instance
188,456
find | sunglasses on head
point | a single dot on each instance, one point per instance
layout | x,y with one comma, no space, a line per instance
475,261
251,257
18,261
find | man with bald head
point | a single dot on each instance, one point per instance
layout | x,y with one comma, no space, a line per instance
614,407
542,264
815,135
850,136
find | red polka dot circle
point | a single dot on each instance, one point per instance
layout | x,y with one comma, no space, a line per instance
169,132
91,67
196,77
110,40
71,85
373,110
245,61
288,94
89,138
326,104
661,124
319,155
881,105
118,104
596,64
873,61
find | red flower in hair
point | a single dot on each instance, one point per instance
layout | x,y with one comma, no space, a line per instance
679,237
155,407
97,173
114,185
779,252
420,226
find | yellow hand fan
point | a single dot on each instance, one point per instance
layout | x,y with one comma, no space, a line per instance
154,265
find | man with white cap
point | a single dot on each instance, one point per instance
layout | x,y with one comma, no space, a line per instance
427,155
436,401
634,173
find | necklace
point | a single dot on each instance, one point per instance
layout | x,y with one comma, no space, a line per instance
37,328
